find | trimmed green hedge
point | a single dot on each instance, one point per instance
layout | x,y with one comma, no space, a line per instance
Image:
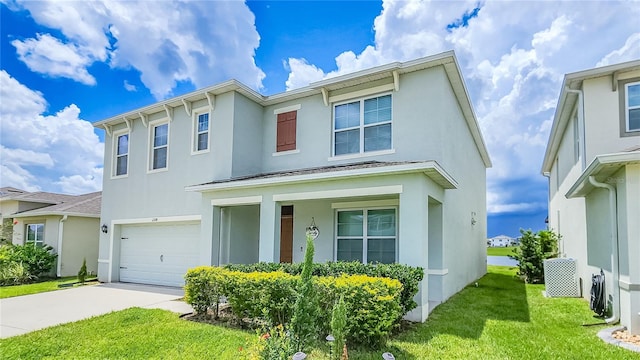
408,276
373,303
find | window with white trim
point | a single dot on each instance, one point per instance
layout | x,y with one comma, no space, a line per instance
35,234
362,126
366,235
632,106
201,132
121,154
159,145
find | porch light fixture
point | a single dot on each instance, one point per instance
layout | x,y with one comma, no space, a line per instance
473,218
104,228
312,230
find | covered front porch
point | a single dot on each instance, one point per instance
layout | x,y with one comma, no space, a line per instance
385,214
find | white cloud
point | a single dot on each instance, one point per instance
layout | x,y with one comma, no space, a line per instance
129,87
513,56
48,55
58,152
629,51
202,42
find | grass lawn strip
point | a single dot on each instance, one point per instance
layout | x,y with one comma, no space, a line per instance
502,318
18,290
501,251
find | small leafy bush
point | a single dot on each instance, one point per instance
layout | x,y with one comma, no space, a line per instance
533,250
25,263
373,305
82,273
338,326
409,276
304,323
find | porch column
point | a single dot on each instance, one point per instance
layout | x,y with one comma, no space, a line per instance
413,239
269,230
210,236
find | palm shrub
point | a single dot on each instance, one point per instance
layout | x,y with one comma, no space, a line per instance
533,250
305,311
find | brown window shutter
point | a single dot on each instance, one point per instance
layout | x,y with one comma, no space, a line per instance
286,131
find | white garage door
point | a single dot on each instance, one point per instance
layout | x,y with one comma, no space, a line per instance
158,254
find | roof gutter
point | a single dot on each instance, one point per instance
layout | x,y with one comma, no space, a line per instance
615,268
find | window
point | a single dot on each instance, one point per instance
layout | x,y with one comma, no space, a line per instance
632,106
367,235
35,234
121,162
362,126
160,141
201,132
576,139
286,131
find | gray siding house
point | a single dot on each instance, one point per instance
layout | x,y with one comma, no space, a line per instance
388,163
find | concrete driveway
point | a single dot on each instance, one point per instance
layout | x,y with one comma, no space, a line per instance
23,314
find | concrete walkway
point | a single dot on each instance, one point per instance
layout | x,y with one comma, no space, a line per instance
23,314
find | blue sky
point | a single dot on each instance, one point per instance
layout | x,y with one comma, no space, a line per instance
65,64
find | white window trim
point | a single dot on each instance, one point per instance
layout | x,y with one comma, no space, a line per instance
626,106
194,130
364,230
360,127
152,126
287,152
287,109
26,233
114,152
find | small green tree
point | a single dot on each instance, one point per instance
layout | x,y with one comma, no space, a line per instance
533,250
339,326
82,274
304,325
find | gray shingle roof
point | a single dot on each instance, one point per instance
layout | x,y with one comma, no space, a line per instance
60,204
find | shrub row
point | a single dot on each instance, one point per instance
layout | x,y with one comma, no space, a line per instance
372,303
408,276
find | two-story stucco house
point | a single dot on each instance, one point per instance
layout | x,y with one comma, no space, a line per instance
388,163
593,164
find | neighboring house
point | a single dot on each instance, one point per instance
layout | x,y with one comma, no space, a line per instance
68,223
593,165
387,162
501,241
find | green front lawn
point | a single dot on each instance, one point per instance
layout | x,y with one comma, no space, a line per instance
502,318
18,290
501,251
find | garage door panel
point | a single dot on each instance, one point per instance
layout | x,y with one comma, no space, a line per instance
158,254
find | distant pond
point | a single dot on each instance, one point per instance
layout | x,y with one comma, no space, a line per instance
501,261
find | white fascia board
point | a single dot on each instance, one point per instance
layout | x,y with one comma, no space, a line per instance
340,193
582,187
246,200
160,219
449,182
55,213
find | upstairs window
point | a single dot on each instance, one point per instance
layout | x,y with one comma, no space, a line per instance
35,234
160,146
362,126
286,131
121,163
632,106
201,137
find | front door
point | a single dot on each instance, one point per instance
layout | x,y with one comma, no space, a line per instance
286,234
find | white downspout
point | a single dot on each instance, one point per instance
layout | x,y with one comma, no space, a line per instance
615,269
581,125
60,234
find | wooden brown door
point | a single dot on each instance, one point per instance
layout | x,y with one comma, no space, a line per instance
286,234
